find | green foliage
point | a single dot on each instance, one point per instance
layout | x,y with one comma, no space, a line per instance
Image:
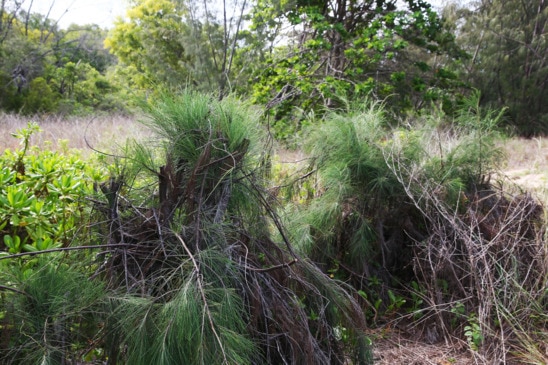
83,44
222,139
363,223
200,269
332,57
409,217
149,44
179,331
210,297
40,98
507,41
41,196
170,44
52,317
45,69
473,333
357,187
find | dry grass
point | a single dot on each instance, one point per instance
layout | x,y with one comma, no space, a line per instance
529,153
527,164
401,349
527,159
103,133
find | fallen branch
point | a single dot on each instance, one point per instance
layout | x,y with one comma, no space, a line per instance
60,249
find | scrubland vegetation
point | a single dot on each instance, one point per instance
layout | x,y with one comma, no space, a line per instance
308,183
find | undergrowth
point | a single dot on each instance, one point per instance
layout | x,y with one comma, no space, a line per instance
204,281
414,219
195,251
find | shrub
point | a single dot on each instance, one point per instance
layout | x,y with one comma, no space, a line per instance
42,196
50,308
53,315
413,215
205,280
40,98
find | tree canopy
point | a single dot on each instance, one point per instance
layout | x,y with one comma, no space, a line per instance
341,50
47,69
506,40
292,57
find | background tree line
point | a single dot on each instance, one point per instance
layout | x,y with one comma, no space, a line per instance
44,68
293,57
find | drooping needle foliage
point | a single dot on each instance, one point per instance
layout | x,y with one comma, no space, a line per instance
204,281
412,218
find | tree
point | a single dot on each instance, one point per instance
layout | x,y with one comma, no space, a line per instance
345,49
24,48
85,44
41,61
509,63
174,43
221,29
149,44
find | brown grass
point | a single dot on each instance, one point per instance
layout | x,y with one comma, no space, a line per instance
104,133
527,164
401,349
527,159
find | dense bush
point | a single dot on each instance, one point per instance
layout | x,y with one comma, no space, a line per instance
206,282
408,225
413,219
49,308
42,196
53,316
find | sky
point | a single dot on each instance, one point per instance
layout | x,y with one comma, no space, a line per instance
100,12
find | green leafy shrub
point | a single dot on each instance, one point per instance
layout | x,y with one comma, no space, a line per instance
50,308
42,196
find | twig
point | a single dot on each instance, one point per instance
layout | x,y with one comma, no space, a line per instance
3,287
75,248
275,267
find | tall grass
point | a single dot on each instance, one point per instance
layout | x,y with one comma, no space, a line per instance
104,132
